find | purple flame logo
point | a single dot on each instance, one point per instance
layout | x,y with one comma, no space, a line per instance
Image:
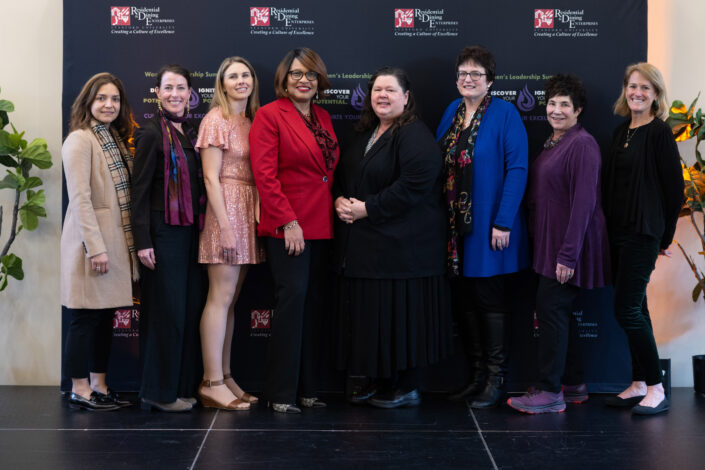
526,101
193,100
358,98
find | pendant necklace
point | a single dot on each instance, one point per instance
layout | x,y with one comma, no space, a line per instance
630,134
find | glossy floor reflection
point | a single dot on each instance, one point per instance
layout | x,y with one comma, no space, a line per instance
38,431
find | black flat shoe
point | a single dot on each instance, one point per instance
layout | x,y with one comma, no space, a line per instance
115,398
361,396
619,402
97,402
396,399
651,410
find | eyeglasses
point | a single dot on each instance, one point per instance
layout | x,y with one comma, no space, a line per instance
298,74
475,76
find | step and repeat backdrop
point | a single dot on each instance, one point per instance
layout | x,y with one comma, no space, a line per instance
593,39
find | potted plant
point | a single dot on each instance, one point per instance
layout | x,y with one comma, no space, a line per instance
19,157
687,123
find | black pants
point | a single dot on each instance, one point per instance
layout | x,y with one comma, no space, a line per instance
633,261
172,302
88,341
299,297
559,350
482,305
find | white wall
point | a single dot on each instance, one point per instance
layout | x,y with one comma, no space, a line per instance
679,324
31,77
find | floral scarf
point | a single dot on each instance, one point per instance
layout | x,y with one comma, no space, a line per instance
458,181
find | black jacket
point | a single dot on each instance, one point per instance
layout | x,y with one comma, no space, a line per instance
148,178
656,185
404,235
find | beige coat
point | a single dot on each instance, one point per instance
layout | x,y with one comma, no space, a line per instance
92,226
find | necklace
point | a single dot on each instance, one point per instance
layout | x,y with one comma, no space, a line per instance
550,142
630,134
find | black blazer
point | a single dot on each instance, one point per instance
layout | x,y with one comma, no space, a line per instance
148,178
404,235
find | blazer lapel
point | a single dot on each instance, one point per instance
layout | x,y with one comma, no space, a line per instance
297,125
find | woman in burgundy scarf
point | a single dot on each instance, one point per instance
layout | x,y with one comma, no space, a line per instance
168,206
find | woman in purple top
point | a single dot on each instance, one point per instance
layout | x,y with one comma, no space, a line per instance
569,235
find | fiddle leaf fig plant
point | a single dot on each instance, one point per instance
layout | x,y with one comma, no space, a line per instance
687,123
18,157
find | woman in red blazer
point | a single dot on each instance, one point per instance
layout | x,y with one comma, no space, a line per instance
294,151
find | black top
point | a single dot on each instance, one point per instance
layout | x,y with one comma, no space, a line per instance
643,184
399,179
148,178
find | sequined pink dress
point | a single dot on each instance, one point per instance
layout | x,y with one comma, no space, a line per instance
239,191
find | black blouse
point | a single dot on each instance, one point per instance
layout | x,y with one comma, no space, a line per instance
643,183
148,179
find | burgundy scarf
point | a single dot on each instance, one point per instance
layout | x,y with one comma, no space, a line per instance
178,207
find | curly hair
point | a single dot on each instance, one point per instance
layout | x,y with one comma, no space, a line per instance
567,85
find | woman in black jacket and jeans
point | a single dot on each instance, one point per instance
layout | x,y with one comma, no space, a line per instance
394,303
642,196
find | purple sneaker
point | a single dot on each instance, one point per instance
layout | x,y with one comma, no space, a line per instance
575,394
538,401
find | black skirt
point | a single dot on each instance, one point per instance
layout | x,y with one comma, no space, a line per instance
389,325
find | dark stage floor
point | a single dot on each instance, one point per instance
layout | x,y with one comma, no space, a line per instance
38,431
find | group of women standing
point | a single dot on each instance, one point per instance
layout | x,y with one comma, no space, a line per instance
407,212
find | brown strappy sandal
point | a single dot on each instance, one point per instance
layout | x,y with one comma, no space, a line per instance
236,405
246,397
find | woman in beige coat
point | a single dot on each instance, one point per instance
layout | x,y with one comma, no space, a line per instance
98,261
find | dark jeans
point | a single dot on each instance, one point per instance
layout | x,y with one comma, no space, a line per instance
291,367
558,336
172,302
633,261
88,341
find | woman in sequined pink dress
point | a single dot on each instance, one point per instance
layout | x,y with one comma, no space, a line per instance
228,242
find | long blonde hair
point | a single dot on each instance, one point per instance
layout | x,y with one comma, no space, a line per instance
220,98
659,107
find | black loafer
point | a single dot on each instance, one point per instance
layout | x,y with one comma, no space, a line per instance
651,410
115,398
396,399
619,402
97,402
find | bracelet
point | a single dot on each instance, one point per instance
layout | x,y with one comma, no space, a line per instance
290,225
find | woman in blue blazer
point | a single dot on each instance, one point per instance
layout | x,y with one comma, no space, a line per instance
485,151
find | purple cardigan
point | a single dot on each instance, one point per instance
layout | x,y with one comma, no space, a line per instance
565,211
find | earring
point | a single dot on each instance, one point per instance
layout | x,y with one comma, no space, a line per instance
316,94
159,106
188,107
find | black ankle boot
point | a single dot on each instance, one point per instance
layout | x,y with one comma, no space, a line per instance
492,395
468,391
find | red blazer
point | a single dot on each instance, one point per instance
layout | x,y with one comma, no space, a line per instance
290,172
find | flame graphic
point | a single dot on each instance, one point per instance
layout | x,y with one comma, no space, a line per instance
358,98
526,100
193,100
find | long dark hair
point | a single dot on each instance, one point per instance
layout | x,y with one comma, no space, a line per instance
368,118
81,109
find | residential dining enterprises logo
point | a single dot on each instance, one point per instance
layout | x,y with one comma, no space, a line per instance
552,23
140,20
420,22
273,21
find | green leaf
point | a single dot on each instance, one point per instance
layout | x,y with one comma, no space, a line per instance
7,146
3,280
696,292
7,160
6,106
692,105
10,181
35,199
31,182
29,215
37,153
12,265
4,119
